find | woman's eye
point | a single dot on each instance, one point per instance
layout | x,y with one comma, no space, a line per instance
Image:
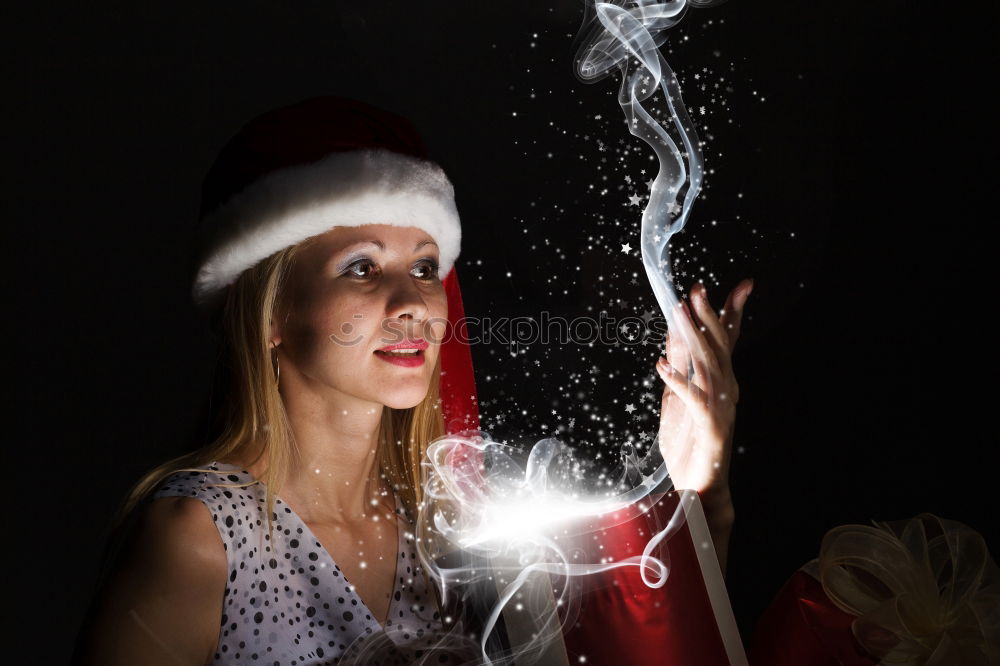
356,269
366,268
428,269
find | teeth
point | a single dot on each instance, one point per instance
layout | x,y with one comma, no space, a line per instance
400,352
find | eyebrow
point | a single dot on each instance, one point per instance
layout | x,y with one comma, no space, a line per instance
381,245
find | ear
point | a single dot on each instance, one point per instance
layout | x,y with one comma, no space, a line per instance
274,334
279,317
274,331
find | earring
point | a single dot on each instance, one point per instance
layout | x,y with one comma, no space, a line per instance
274,362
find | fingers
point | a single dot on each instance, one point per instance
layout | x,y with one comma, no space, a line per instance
716,333
693,346
677,351
705,342
732,312
695,399
677,423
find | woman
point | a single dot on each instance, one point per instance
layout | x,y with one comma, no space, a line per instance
326,254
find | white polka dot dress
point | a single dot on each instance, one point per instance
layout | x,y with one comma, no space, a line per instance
287,603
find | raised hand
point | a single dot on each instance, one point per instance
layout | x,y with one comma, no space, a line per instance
697,416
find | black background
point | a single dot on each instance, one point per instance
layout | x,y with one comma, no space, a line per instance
854,194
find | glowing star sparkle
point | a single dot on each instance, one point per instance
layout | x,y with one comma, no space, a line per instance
513,516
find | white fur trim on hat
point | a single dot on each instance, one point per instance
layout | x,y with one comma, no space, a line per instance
349,189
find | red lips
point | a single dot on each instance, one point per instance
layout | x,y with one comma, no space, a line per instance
406,344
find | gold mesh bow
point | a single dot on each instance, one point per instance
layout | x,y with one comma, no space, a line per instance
925,591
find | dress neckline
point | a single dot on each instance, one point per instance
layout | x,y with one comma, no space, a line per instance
369,618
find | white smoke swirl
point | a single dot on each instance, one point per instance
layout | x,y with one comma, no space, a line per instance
494,529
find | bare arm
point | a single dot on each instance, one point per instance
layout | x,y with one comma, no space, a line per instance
163,602
720,515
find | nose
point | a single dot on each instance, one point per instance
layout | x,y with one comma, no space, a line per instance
405,307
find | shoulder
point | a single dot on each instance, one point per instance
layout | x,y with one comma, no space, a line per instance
177,532
176,546
190,482
180,533
214,485
164,597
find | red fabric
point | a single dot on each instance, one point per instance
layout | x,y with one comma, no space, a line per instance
802,626
459,403
621,619
624,621
301,133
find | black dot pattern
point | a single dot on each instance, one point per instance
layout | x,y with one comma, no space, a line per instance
287,602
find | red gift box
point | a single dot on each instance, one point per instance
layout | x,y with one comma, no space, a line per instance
620,620
802,626
687,621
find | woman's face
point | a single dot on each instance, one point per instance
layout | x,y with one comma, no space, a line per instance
351,292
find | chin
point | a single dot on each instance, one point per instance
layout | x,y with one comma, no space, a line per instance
401,399
403,403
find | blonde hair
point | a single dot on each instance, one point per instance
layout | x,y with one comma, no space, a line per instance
254,420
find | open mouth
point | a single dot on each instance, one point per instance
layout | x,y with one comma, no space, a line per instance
411,353
406,358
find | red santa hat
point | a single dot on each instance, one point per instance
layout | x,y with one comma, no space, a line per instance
325,162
